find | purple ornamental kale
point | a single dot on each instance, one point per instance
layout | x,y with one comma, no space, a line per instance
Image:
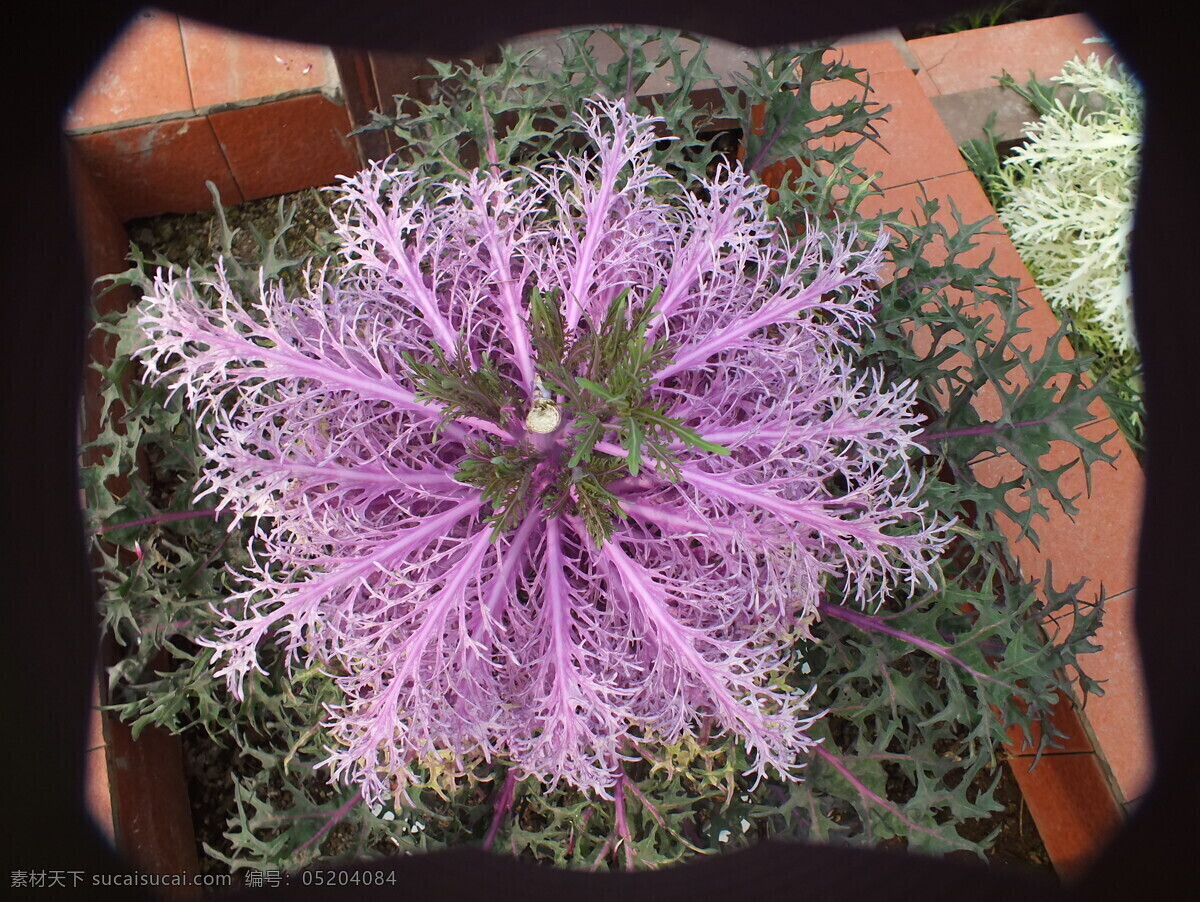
552,465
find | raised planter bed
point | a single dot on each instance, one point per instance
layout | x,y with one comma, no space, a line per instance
922,159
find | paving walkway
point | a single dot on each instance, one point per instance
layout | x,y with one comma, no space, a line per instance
1068,791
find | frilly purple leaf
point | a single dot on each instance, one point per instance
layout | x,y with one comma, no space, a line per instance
376,557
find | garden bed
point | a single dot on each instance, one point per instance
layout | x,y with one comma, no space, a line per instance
138,230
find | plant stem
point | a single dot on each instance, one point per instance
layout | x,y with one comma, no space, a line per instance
172,626
650,809
587,816
493,158
756,165
985,429
160,518
875,624
334,819
208,560
622,825
503,805
863,790
604,849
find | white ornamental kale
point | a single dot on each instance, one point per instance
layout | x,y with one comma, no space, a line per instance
553,465
1067,198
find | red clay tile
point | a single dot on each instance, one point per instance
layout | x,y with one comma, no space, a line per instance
150,801
142,75
399,75
101,235
1120,719
875,56
360,93
915,144
972,204
146,170
1101,542
95,734
1070,800
287,145
97,795
961,192
968,60
1066,720
228,67
927,84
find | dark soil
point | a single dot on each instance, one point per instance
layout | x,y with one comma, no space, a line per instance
1000,12
184,238
210,769
1018,843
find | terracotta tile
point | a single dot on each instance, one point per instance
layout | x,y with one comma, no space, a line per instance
1096,545
961,192
913,143
286,145
146,170
1066,720
894,37
101,234
927,84
969,60
972,204
228,66
105,246
95,736
142,75
97,794
1120,719
1101,543
394,75
150,800
400,75
876,56
1072,805
360,92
